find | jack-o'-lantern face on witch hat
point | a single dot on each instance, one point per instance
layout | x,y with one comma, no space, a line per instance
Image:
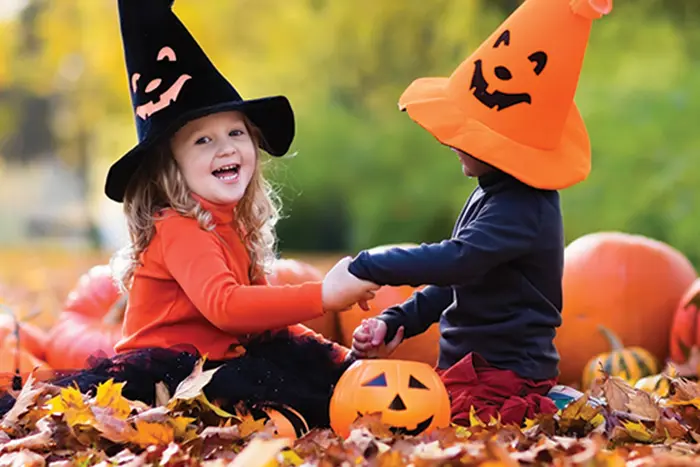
172,81
511,103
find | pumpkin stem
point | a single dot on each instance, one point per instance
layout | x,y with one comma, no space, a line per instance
115,315
613,340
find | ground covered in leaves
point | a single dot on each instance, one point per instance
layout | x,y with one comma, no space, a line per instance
613,425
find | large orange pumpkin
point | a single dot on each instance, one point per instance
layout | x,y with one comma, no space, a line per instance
421,348
628,283
288,271
685,332
90,323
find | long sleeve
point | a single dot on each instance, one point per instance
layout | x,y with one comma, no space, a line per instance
500,232
196,261
417,313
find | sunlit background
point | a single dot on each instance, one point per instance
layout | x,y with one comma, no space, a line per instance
363,173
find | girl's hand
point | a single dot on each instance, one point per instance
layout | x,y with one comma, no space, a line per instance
368,339
341,289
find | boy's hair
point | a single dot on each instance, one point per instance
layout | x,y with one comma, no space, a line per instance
159,184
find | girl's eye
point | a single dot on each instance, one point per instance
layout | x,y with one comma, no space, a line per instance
236,133
203,140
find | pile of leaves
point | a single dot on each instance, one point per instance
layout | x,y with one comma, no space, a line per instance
614,424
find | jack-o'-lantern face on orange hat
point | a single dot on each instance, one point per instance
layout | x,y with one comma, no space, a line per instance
511,103
172,82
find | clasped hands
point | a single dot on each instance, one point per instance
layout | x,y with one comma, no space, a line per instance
341,290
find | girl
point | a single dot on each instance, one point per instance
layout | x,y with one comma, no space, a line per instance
201,220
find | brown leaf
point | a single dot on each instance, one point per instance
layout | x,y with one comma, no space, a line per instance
112,428
670,428
22,459
192,386
25,400
684,390
372,422
152,434
643,405
617,392
38,441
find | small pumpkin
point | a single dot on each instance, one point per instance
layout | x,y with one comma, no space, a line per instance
685,331
90,323
288,422
628,283
629,363
421,348
289,271
409,395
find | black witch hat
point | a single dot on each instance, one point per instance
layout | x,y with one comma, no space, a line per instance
172,82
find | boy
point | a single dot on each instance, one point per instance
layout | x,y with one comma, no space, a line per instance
495,285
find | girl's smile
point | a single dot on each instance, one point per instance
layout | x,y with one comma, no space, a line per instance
217,156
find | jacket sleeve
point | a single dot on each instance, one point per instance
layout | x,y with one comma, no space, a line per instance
196,260
501,232
417,313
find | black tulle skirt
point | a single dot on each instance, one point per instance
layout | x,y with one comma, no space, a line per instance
276,368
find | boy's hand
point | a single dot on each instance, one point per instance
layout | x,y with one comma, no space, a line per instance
368,339
341,289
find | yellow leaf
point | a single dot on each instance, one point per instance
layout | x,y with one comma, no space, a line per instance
250,425
152,433
473,419
109,395
71,404
638,431
292,458
217,410
180,425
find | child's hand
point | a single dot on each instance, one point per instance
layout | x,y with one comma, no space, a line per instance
341,289
368,339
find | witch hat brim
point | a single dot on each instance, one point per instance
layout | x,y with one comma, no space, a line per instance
427,102
172,81
272,115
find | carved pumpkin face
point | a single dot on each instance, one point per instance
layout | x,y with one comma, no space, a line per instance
157,92
410,396
501,74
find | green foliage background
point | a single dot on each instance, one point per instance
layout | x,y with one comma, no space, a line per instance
363,173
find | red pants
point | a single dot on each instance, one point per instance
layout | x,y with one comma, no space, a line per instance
473,382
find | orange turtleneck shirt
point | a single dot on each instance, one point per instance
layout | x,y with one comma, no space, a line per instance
194,289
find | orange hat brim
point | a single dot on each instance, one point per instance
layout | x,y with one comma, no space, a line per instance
427,102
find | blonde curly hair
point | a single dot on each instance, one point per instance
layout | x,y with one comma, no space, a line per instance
159,184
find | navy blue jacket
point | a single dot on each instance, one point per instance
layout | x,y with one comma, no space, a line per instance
495,286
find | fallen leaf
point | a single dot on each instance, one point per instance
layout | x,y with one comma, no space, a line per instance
162,394
643,405
22,459
25,399
261,453
40,440
71,404
109,396
152,433
194,384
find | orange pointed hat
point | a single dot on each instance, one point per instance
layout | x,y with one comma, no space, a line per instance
511,103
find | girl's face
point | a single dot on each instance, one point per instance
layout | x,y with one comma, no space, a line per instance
216,155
